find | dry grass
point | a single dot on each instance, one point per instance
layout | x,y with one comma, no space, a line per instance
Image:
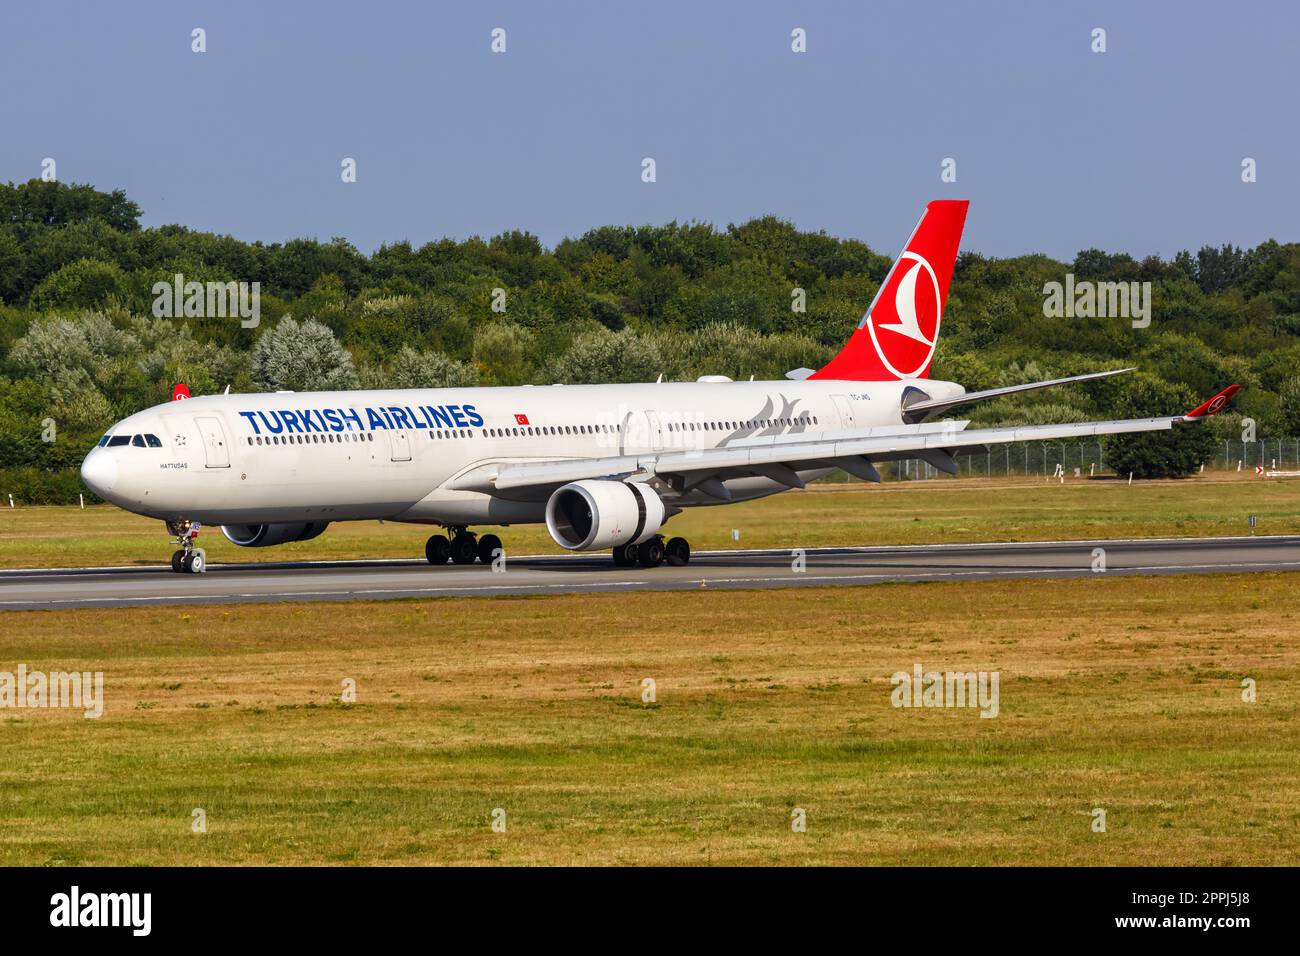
1119,693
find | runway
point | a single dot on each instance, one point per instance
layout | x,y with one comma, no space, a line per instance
544,574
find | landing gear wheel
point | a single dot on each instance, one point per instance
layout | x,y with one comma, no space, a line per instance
625,555
464,549
189,559
650,554
437,549
487,546
677,552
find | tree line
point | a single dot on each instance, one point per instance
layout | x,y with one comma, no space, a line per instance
80,345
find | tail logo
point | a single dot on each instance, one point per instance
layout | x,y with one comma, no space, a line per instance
905,340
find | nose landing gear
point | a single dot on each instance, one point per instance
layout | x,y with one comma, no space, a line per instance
189,558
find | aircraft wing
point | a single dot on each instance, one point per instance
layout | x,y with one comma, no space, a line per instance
779,457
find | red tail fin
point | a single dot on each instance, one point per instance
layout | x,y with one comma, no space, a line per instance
896,338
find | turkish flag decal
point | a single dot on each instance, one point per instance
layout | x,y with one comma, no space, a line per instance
521,419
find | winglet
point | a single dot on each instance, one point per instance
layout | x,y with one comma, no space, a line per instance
1213,406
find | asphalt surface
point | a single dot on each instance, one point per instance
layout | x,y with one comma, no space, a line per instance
370,580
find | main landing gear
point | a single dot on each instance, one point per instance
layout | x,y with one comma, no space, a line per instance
189,558
464,547
652,553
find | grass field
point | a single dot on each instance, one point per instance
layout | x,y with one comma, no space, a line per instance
1116,693
978,509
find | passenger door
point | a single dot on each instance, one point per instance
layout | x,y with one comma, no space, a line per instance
214,442
845,408
400,442
642,432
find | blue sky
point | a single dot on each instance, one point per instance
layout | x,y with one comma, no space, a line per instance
1138,149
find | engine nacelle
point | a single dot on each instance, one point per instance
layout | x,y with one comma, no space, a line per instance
601,513
265,535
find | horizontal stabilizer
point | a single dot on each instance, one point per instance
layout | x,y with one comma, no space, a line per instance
919,411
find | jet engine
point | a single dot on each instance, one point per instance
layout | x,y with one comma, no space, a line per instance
265,535
601,513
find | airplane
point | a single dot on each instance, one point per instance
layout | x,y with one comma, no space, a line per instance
604,466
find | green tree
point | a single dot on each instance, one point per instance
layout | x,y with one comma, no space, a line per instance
1289,400
12,259
601,356
503,354
412,369
301,357
55,204
84,284
1160,454
55,347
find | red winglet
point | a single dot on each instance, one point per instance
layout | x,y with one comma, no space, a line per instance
1213,406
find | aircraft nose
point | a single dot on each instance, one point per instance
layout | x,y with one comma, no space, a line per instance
99,472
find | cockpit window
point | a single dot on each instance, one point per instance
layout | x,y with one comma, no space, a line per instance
135,441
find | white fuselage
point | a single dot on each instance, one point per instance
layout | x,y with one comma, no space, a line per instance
396,454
